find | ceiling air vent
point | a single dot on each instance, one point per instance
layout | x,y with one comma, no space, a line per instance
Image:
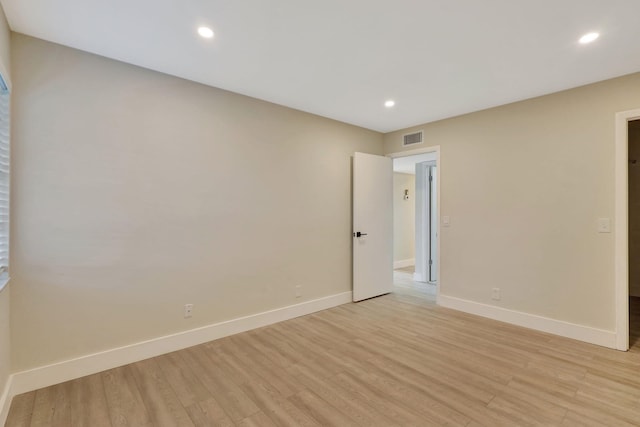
412,138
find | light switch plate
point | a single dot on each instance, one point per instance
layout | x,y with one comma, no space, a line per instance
604,225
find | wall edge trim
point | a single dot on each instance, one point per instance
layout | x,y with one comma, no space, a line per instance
44,376
5,400
561,328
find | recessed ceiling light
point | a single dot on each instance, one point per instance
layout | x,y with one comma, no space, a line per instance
390,103
589,37
205,32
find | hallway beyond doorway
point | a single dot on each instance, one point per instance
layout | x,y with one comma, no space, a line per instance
403,283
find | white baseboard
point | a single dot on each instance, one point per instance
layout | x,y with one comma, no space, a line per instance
404,263
44,376
5,401
557,327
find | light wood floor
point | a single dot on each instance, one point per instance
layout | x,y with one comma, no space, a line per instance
389,361
403,283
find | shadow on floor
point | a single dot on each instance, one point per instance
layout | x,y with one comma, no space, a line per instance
634,324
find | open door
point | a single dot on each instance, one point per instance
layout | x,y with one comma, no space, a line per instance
372,226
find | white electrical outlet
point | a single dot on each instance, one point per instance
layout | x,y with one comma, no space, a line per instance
495,294
188,310
298,291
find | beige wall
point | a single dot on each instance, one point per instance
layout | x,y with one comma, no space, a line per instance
524,185
136,192
634,209
404,214
5,332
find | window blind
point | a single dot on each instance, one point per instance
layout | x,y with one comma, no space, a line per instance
4,182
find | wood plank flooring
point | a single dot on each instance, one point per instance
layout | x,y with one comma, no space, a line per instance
397,360
403,283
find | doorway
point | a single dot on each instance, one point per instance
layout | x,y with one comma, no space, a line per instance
415,210
623,169
633,141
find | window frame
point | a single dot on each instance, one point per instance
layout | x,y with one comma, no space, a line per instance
5,125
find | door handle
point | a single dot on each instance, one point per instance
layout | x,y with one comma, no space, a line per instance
359,234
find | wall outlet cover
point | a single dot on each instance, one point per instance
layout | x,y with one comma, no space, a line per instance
188,310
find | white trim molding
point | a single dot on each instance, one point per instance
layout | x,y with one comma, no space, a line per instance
422,150
5,401
404,263
621,227
545,324
44,376
4,284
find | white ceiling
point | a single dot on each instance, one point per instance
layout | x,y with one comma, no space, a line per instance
343,58
408,164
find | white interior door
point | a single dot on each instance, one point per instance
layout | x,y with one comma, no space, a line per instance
433,209
422,256
372,226
426,223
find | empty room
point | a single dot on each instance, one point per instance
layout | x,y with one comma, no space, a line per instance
336,213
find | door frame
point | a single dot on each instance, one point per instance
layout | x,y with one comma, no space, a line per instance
621,226
424,224
432,149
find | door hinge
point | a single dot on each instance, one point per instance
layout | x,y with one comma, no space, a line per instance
430,178
430,262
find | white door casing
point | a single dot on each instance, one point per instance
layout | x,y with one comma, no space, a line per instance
433,229
437,208
621,226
